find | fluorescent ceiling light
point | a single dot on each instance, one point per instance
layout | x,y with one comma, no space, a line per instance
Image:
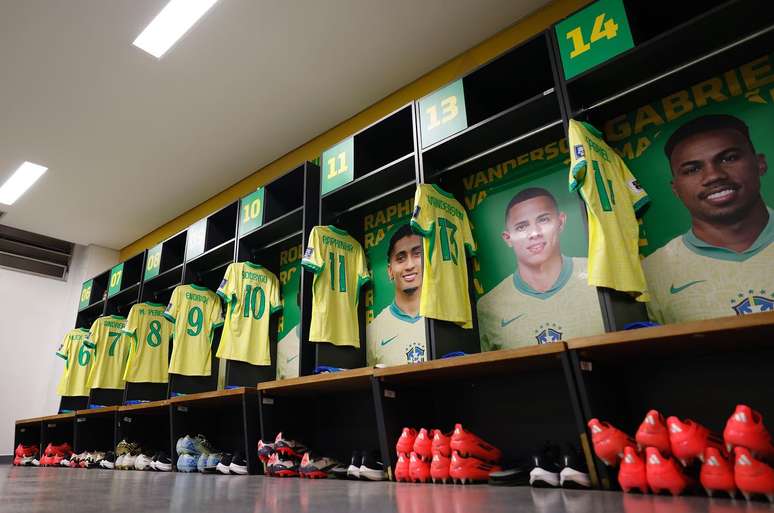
170,24
22,179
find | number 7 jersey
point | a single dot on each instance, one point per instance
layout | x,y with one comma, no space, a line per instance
339,264
613,199
446,233
111,349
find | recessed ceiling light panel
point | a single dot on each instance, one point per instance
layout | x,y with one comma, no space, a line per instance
21,180
171,24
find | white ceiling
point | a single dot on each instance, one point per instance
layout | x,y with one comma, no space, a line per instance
131,142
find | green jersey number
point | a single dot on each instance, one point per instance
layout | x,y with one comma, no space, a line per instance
251,301
446,231
154,336
115,336
606,199
84,356
342,273
195,321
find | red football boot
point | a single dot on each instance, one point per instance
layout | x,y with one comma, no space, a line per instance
717,473
688,439
423,444
468,444
632,473
470,469
439,468
419,470
406,441
609,442
442,444
653,432
402,469
753,476
745,429
664,473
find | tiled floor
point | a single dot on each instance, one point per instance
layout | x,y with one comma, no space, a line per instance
103,491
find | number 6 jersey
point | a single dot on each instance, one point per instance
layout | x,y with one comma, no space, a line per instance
446,234
195,312
613,198
149,332
339,263
251,293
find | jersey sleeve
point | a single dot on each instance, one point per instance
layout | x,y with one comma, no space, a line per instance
227,288
637,195
275,302
173,308
577,156
130,328
216,315
467,237
313,258
421,220
93,336
64,348
363,275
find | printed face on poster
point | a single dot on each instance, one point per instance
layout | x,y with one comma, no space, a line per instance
395,334
701,154
530,272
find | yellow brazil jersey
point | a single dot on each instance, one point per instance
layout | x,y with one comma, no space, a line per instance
196,313
613,199
111,349
396,338
339,264
78,360
446,231
513,314
251,294
690,280
150,332
287,354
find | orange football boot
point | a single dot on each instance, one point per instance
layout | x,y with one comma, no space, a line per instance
609,442
632,473
423,444
468,444
470,469
439,468
688,439
653,432
406,441
419,470
717,473
752,476
402,469
664,473
745,429
442,443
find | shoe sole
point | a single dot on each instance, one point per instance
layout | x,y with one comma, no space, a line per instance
571,478
223,469
238,469
163,467
371,474
541,478
353,472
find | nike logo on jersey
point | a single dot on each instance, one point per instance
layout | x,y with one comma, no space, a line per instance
385,342
675,290
291,358
504,323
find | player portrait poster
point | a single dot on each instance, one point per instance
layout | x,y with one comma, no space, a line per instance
395,333
288,338
709,229
530,272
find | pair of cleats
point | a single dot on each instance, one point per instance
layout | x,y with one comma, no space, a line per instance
54,454
229,464
364,466
744,434
459,456
548,468
282,457
24,455
86,459
194,445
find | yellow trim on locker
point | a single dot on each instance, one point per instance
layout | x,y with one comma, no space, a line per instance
455,68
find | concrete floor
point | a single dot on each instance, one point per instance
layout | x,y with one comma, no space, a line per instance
100,491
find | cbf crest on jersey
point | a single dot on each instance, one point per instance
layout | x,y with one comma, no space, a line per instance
415,354
752,303
579,151
548,333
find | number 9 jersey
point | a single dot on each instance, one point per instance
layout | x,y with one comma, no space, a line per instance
446,234
613,200
149,332
195,312
339,264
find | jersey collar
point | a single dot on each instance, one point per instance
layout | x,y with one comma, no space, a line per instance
702,248
85,330
158,305
198,287
337,230
591,128
442,192
561,281
252,265
400,314
117,317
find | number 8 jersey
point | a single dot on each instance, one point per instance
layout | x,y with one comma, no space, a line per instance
613,199
339,263
251,293
195,312
149,332
446,233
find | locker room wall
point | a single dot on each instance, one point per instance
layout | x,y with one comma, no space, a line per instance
35,313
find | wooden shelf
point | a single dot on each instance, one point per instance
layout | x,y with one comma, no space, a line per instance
213,397
319,383
475,365
724,334
33,420
61,416
96,411
144,407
